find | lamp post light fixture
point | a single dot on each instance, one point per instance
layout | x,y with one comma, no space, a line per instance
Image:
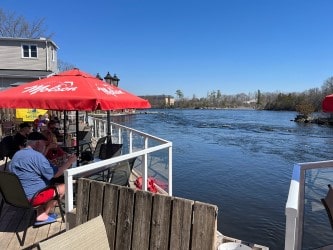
99,77
115,80
108,78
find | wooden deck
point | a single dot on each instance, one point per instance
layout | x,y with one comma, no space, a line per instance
11,217
10,220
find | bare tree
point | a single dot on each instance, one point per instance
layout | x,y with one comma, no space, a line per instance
63,66
12,25
327,87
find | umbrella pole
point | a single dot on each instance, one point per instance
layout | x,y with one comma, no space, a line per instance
77,142
108,122
65,128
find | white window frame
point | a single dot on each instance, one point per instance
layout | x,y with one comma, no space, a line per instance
30,46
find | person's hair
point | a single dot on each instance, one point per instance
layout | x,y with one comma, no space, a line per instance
49,135
31,143
51,122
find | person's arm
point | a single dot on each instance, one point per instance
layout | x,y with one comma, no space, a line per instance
66,165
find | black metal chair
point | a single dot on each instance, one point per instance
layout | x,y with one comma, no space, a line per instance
328,204
7,149
120,174
86,137
105,149
98,146
13,194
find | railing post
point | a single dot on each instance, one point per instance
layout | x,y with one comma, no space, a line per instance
130,150
291,234
68,194
120,135
170,171
145,167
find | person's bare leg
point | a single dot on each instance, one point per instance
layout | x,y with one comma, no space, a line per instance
43,212
61,190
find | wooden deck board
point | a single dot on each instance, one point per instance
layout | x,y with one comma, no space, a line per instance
10,220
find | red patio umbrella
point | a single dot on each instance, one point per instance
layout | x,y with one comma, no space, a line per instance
327,104
70,90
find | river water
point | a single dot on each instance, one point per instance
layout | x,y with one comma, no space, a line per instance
239,160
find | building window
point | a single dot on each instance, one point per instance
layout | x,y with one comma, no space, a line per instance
29,51
52,55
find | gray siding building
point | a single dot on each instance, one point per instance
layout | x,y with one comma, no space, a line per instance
25,60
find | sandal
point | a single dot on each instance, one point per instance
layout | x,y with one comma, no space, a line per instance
53,215
44,222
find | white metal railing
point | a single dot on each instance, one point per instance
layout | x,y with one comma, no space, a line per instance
150,145
292,210
295,203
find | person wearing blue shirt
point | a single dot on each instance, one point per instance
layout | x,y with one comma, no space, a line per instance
35,173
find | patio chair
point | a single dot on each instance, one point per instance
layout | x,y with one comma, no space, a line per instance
8,127
131,165
84,136
7,149
98,146
13,194
120,174
89,235
328,204
106,144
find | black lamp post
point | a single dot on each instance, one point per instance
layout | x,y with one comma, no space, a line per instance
99,77
108,78
115,80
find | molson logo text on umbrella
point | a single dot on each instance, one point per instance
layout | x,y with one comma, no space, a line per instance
67,87
62,87
108,90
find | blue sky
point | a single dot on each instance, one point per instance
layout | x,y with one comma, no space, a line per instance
159,46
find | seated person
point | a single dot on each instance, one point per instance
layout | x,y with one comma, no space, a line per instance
36,122
24,129
53,126
35,173
55,154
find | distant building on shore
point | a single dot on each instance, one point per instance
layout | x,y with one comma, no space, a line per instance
160,101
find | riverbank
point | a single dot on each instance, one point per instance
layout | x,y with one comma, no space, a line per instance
328,121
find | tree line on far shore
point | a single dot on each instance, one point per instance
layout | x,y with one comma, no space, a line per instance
305,102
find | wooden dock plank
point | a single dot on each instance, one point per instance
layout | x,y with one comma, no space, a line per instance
204,217
110,210
181,223
141,221
160,225
125,218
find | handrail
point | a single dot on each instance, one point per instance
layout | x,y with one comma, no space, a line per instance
295,203
99,130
